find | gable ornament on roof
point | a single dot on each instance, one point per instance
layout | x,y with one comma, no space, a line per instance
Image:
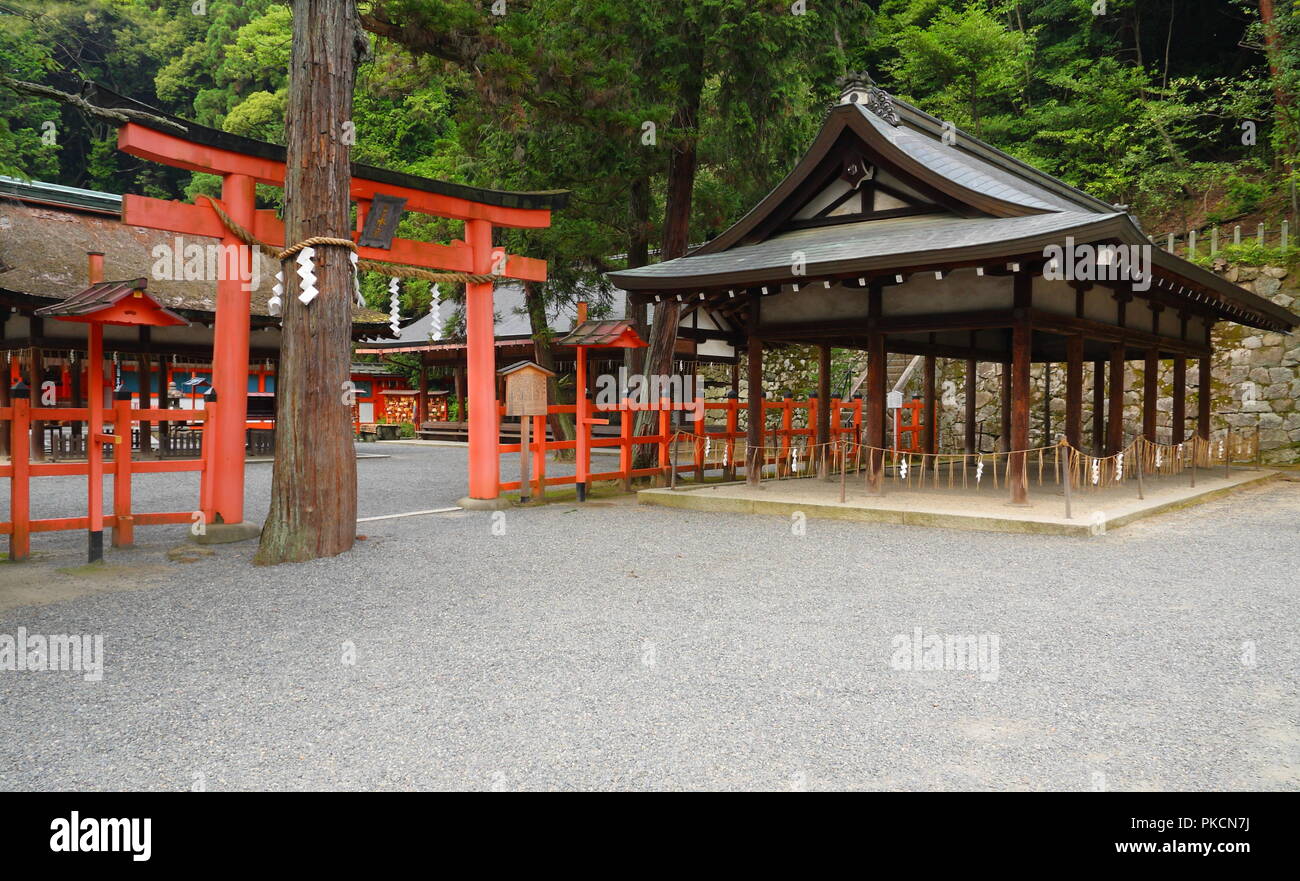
859,88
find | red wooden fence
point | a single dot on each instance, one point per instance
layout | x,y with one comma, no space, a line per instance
21,470
846,421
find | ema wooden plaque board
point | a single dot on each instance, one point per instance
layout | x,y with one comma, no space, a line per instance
526,391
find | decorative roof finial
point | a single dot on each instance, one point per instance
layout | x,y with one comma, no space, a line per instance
859,88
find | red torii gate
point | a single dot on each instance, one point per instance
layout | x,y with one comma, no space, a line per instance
242,163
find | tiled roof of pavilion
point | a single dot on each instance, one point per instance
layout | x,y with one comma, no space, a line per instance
979,204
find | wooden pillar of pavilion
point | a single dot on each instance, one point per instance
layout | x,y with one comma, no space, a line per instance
823,406
1115,426
1004,433
876,379
422,402
1204,390
144,371
36,373
972,368
1150,392
1021,353
929,434
1098,407
458,378
754,436
1178,423
1074,391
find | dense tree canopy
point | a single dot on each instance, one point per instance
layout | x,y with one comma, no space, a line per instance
1143,104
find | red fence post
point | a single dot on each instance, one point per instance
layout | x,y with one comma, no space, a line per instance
124,528
539,455
625,423
20,542
665,427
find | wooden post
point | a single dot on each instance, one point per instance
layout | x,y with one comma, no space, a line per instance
1150,393
313,510
1098,408
1021,362
823,406
1047,403
422,402
627,418
1204,395
144,370
539,455
458,379
1067,475
1020,379
20,543
1074,391
875,415
729,443
1178,420
95,448
930,433
754,439
1115,425
972,370
525,422
1004,414
123,528
36,372
7,381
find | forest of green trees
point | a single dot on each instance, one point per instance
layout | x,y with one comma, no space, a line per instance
667,119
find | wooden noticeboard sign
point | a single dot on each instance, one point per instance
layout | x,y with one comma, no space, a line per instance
526,398
526,389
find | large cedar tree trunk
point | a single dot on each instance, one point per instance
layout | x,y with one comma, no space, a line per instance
314,484
677,222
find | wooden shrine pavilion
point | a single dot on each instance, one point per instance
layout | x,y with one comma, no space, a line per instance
898,233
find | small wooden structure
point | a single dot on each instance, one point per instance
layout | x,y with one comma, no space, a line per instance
526,397
121,303
593,335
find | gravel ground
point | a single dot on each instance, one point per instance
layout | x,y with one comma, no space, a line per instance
611,646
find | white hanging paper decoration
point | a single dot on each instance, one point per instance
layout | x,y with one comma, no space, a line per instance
1096,471
979,470
708,442
902,469
435,333
307,273
724,456
394,304
1119,466
1158,457
356,280
794,458
274,304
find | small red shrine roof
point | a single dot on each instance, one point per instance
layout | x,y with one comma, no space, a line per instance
610,334
114,302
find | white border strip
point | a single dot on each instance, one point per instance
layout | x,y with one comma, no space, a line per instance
407,514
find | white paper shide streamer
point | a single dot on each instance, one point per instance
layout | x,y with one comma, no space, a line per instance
307,275
435,332
394,304
356,280
274,304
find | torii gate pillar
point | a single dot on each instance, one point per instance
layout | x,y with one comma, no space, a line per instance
480,342
225,471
